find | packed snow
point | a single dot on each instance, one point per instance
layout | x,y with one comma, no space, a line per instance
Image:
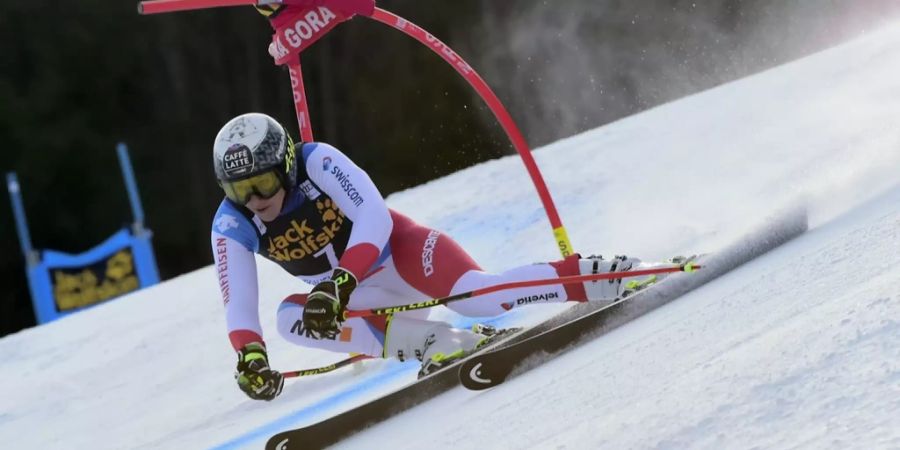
799,348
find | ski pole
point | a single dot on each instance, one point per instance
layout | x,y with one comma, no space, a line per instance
688,267
325,369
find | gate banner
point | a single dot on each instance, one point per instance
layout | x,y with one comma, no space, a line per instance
77,287
63,283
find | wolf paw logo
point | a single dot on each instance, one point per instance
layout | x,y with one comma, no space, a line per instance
330,211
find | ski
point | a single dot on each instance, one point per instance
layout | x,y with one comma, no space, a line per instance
332,430
548,337
492,367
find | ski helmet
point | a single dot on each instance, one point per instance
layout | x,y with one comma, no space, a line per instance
249,146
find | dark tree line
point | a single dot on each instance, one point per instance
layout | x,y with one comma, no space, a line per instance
77,77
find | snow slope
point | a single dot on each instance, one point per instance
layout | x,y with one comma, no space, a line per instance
798,349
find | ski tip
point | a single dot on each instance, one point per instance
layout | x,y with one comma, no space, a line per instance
690,267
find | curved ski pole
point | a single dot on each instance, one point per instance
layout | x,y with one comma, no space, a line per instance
496,106
412,30
687,267
325,369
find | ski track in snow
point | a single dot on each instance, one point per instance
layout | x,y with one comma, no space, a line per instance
797,349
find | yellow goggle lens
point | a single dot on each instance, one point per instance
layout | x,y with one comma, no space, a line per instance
264,185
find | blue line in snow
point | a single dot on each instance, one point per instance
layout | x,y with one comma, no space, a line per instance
291,420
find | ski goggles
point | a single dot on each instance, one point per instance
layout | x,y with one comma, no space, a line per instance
264,185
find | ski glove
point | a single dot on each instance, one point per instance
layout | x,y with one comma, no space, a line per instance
254,376
323,313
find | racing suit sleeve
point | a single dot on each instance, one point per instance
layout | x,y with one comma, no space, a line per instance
357,196
235,264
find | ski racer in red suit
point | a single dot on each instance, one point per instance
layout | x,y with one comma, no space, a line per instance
315,213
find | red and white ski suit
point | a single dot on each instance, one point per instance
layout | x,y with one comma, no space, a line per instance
335,216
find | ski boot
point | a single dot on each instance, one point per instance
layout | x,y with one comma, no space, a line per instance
490,334
616,289
436,344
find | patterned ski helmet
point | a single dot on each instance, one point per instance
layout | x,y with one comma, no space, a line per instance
251,144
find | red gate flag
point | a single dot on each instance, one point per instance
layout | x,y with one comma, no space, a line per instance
300,23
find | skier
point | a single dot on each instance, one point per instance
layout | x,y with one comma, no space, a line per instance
315,213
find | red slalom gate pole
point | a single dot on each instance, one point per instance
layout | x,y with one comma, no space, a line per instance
500,112
300,106
166,6
441,49
689,267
